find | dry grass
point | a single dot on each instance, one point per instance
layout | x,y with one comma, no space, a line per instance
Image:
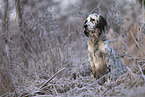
31,56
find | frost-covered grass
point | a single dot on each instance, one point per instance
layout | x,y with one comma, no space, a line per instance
53,44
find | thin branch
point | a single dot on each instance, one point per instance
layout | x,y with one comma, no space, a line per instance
51,78
45,87
141,72
130,53
55,90
136,42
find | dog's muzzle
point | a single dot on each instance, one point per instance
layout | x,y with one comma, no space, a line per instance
85,26
85,30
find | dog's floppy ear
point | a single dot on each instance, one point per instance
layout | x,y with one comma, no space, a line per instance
85,26
102,23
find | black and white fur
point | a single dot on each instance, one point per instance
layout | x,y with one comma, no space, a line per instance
101,55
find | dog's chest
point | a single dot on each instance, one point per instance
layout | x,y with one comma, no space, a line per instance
99,52
101,47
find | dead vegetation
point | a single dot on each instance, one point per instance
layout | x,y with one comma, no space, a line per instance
35,49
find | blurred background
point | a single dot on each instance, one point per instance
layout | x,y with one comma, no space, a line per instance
39,37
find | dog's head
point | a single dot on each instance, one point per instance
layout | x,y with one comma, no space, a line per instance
93,22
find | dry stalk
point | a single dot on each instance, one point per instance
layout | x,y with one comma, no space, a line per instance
51,78
55,90
130,53
136,42
141,71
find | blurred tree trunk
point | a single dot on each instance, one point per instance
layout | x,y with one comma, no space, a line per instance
22,29
6,84
5,18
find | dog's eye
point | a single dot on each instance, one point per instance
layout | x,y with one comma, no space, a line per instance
91,19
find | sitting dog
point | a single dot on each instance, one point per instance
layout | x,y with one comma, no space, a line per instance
101,55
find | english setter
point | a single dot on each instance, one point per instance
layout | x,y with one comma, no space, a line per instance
101,55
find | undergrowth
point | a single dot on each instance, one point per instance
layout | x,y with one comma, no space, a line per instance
38,47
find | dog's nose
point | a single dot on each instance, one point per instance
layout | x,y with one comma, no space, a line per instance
85,25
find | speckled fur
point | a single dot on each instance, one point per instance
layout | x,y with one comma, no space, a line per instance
98,52
101,55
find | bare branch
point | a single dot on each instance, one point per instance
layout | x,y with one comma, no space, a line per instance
51,78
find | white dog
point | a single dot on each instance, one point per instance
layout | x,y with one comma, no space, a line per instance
101,55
